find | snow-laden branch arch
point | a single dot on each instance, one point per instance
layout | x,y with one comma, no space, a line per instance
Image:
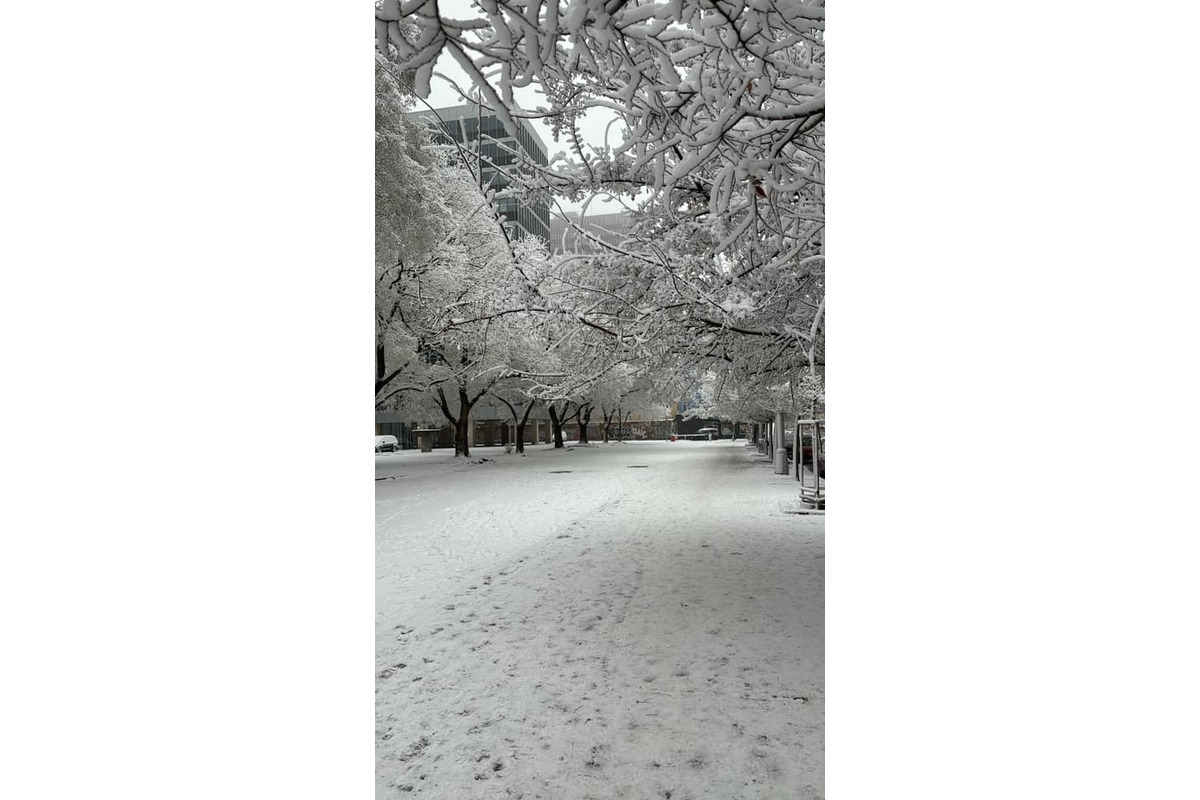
721,108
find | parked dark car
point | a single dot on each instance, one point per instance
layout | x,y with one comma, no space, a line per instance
386,444
807,455
789,436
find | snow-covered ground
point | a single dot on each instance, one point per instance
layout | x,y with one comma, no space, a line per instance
636,620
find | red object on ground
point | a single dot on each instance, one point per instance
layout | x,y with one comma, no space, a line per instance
672,437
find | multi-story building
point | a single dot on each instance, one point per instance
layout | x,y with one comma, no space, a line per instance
479,130
608,228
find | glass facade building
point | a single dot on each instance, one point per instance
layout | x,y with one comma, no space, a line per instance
479,130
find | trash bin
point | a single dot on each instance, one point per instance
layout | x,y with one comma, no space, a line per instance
425,439
781,461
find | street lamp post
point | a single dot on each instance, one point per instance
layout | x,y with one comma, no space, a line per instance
780,446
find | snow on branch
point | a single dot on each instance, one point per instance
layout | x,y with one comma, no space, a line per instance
721,108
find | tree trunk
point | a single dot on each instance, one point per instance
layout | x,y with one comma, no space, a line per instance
525,417
382,376
557,422
462,422
556,425
519,422
583,425
608,416
463,445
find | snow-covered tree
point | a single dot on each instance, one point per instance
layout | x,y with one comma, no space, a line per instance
452,296
409,220
722,109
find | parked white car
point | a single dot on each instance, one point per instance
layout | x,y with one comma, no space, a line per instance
386,444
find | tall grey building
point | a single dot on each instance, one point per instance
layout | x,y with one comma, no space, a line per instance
475,127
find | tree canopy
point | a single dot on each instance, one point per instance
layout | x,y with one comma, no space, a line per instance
721,110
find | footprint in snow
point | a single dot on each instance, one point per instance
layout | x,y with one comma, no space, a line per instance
390,671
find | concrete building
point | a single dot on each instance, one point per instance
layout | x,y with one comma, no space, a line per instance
481,131
608,228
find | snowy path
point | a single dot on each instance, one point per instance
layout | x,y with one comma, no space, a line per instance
613,632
